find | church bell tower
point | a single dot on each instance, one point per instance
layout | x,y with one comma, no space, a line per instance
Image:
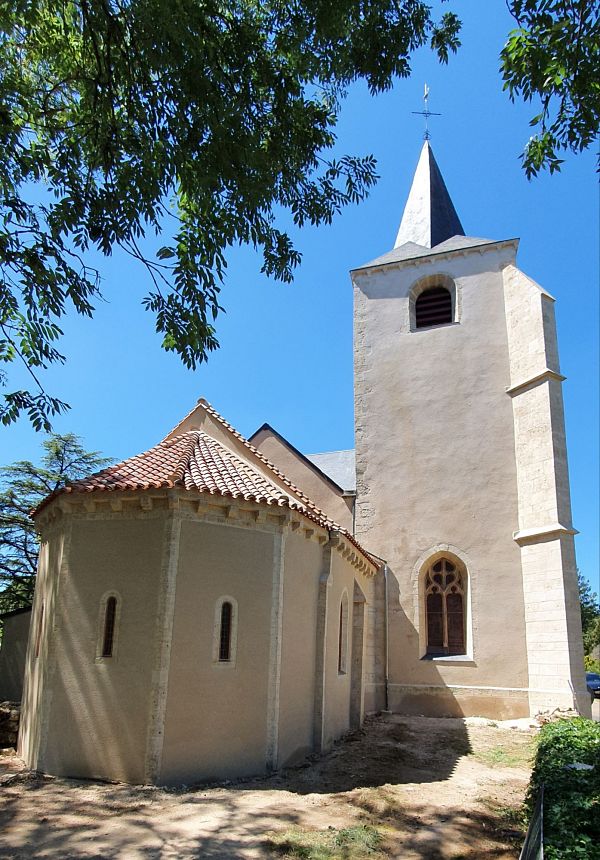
462,480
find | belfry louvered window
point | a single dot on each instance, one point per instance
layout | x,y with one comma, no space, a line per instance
433,307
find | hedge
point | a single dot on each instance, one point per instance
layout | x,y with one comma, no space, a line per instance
571,796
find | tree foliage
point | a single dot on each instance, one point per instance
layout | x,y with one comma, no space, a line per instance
590,614
24,485
571,795
204,115
554,57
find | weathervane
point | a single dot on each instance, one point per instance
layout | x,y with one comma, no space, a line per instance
426,113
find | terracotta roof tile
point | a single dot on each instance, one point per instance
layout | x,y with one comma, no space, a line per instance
193,460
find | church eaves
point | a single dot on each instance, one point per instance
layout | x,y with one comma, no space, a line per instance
429,216
190,459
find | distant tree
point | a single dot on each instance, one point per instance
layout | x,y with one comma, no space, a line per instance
554,57
590,614
23,486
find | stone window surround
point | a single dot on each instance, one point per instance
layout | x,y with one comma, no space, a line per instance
216,643
438,279
100,627
425,561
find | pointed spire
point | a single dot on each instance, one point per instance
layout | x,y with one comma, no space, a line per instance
429,215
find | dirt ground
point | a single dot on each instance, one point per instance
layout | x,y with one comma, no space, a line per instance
412,787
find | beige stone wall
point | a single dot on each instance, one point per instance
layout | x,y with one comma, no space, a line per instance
163,708
553,623
36,701
96,710
13,652
216,713
314,485
303,560
338,685
436,467
374,666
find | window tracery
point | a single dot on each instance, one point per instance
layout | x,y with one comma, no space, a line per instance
445,588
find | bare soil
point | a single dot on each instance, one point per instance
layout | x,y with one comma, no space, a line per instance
430,788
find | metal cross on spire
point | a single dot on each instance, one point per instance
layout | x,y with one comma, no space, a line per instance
426,113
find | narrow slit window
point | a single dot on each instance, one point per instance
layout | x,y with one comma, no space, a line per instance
225,632
433,307
38,635
343,636
110,614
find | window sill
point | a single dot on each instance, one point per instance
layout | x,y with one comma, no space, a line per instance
415,330
450,658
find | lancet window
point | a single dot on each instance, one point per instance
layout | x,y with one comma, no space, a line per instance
225,632
445,587
343,635
110,617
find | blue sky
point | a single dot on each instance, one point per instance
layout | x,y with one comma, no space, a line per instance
286,351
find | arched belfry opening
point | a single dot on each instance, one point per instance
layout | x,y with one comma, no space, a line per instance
433,301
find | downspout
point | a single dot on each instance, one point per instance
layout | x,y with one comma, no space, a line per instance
385,628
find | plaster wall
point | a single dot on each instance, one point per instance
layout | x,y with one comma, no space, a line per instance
436,470
373,588
216,713
337,685
36,689
303,560
318,489
15,635
99,708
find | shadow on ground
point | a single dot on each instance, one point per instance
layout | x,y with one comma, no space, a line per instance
394,775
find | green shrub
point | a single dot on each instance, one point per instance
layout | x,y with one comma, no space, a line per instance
591,664
571,796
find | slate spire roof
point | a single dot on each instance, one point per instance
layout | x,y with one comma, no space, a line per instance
429,216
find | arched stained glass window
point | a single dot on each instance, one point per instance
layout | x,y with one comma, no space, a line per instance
445,587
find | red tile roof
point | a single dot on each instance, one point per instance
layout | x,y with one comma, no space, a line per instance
193,460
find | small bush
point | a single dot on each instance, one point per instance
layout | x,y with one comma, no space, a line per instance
571,796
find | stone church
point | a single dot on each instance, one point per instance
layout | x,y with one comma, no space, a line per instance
217,606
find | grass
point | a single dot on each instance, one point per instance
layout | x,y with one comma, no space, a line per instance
505,756
349,843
